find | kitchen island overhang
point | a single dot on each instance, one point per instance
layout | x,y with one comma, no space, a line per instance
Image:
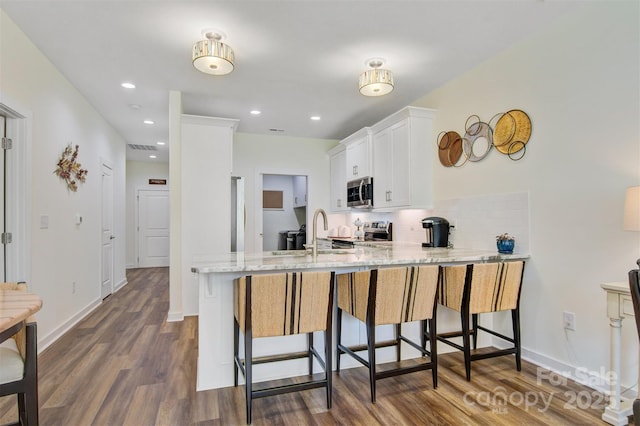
215,301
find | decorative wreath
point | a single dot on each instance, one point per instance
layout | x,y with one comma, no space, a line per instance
69,169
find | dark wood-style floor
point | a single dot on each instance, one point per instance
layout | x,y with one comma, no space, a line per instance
125,365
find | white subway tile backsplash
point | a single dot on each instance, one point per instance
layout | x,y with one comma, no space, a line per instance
477,220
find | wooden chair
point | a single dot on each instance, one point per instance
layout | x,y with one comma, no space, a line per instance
477,289
390,296
280,305
634,286
19,366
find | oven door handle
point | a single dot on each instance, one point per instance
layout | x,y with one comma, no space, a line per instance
360,191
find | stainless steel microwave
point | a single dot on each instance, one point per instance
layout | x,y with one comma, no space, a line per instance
360,193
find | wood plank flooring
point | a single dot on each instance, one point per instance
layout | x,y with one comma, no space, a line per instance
125,365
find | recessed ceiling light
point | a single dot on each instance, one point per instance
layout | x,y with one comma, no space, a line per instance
315,117
149,122
256,112
160,143
128,85
152,156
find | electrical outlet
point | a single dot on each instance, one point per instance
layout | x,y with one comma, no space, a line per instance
569,320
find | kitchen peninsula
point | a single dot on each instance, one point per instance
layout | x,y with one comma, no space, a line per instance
215,281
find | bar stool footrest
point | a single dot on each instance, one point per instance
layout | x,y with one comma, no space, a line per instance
294,387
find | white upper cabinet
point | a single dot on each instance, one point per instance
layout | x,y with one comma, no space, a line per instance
299,191
402,159
358,147
338,164
391,153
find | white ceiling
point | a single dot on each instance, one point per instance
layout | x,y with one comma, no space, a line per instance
294,59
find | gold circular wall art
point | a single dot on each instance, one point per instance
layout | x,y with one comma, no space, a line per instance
512,132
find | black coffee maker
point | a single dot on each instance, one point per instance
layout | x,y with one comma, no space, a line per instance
437,229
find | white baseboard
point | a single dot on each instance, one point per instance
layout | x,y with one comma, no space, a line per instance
596,380
47,340
66,326
175,316
120,285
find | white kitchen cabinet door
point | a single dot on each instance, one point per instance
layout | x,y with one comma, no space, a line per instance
359,158
391,163
299,191
381,165
338,164
402,160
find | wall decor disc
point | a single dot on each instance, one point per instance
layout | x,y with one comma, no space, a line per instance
476,143
449,148
513,126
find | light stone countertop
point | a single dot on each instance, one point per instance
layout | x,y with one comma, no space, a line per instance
372,254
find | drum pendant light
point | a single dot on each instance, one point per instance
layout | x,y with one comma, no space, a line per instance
376,81
211,56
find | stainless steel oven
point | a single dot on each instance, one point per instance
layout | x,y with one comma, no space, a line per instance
374,231
360,193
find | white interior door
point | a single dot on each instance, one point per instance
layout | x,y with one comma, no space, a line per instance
107,231
153,228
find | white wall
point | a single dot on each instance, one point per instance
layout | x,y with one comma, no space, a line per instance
58,115
206,148
579,84
138,174
254,155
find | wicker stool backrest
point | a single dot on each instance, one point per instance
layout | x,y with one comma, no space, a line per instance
495,286
283,304
399,294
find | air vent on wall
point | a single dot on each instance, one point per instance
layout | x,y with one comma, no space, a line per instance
142,147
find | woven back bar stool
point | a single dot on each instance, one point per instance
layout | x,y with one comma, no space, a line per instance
390,296
281,305
479,289
19,366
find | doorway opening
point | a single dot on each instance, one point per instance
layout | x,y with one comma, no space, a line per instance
14,211
284,212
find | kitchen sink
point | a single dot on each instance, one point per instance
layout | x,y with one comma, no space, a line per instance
289,253
308,252
336,251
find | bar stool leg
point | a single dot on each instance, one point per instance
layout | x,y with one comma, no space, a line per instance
371,349
22,411
328,335
433,349
236,344
338,339
248,368
31,398
515,316
309,352
466,343
398,332
474,319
